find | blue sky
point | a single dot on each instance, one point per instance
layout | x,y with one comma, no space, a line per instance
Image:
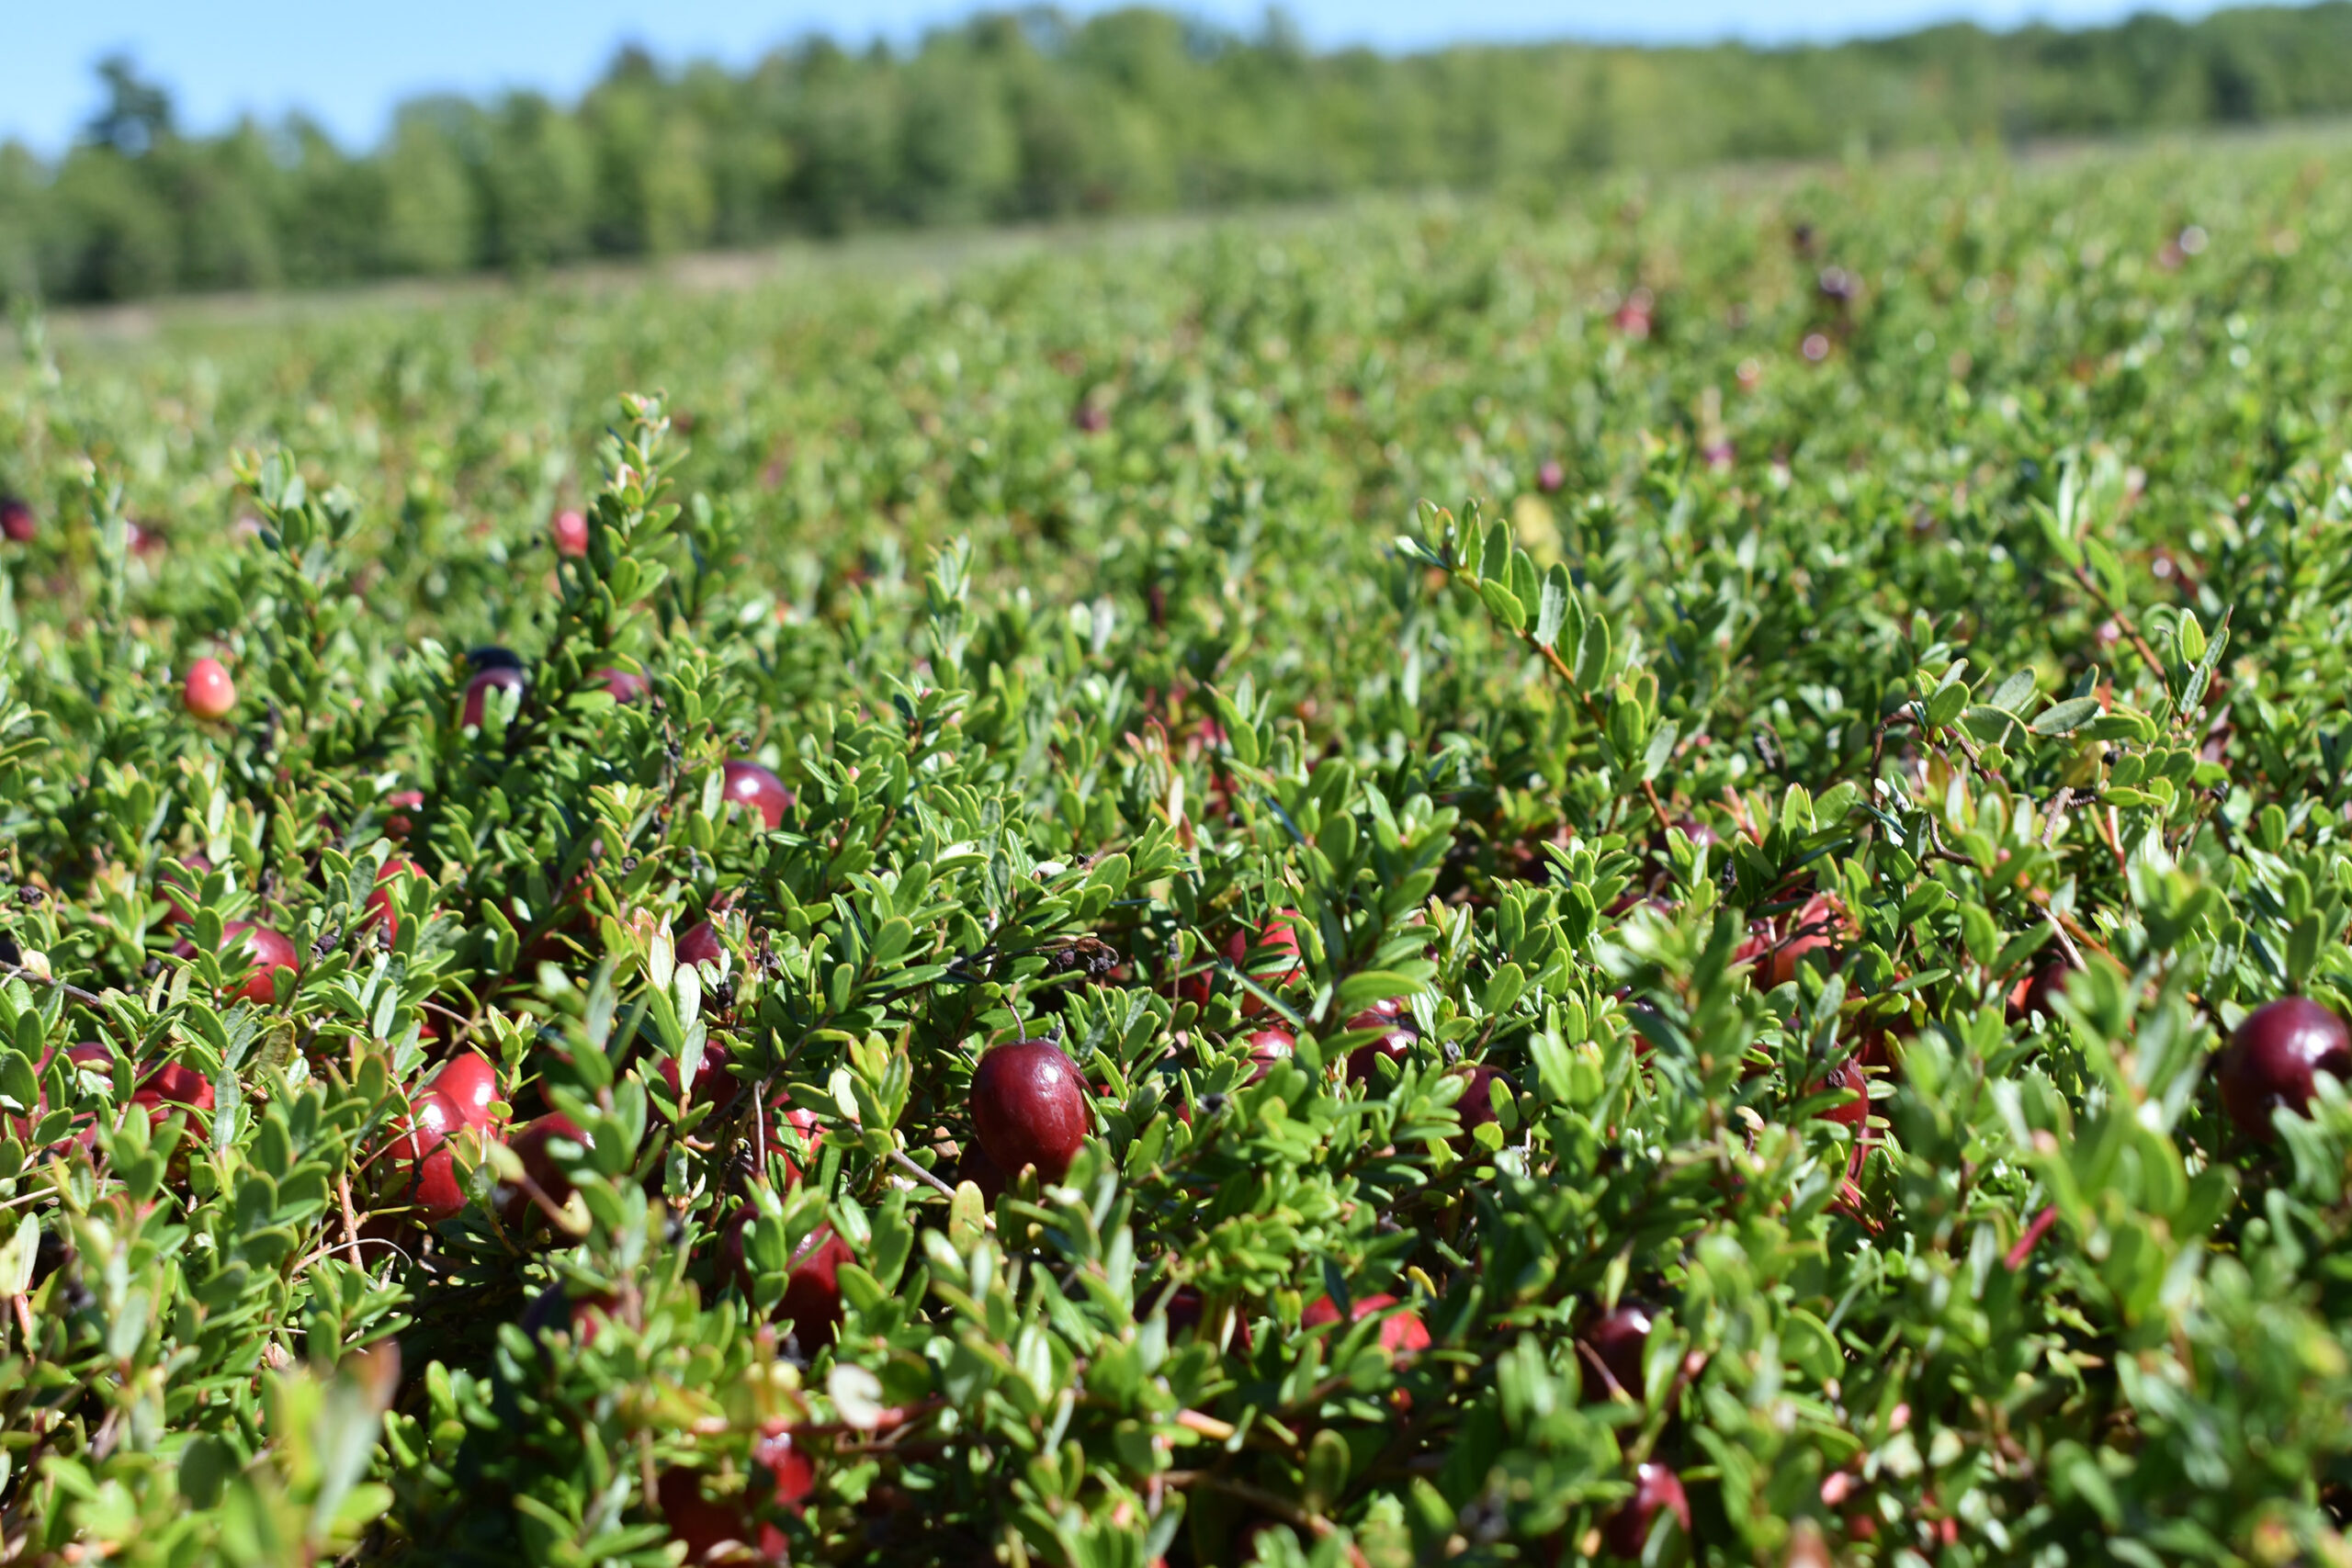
347,62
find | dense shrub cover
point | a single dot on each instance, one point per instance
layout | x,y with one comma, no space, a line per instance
1883,630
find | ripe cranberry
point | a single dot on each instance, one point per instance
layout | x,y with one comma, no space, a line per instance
748,784
625,685
973,1164
489,656
266,953
1389,1015
402,802
700,944
712,1082
557,1308
469,1083
172,1084
812,1293
497,678
1551,476
1268,1046
1616,1342
1855,1111
1184,1311
1092,418
17,519
1657,1489
2272,1059
379,908
530,1146
209,693
795,1477
1812,929
1029,1108
1277,938
711,1531
1399,1334
570,531
87,1057
2036,996
1477,1106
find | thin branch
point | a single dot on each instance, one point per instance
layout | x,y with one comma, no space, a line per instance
898,1158
19,971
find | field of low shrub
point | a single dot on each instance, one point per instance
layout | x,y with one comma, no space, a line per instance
1659,875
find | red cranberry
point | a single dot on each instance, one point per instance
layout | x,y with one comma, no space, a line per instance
712,1081
2273,1058
570,531
1656,1490
1277,938
700,944
1477,1106
1855,1111
788,1464
489,656
266,953
497,678
1185,1309
401,802
1268,1046
2036,996
16,520
169,1087
625,685
1812,929
1617,1341
710,1531
470,1084
1399,1334
209,693
1390,1015
530,1146
1029,1108
748,784
1551,476
973,1164
381,908
812,1293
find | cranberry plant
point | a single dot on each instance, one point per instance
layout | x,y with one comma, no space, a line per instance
1661,883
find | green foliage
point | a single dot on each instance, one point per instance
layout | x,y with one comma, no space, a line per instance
1032,114
1910,643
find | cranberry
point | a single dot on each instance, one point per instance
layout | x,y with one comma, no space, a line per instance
17,519
700,944
1617,1342
1401,1333
470,1084
1268,1046
812,1293
1657,1489
748,784
973,1164
2036,996
1184,1310
570,531
209,693
267,953
1551,476
624,685
1855,1111
1477,1106
794,1475
1396,1043
1276,937
530,1146
2273,1058
172,1084
497,678
556,1307
1029,1108
489,656
710,1531
402,803
381,908
712,1081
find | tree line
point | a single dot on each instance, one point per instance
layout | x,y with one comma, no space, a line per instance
1033,114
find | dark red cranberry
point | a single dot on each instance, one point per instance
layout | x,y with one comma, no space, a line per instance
748,784
1477,1106
381,908
497,678
625,685
712,1082
973,1164
530,1146
1268,1046
1855,1110
422,1167
1775,947
1656,1490
16,520
265,952
1184,1310
2036,996
1400,1333
557,1308
700,944
1616,1342
169,1088
2273,1058
1029,1108
711,1531
1092,418
812,1293
492,657
1391,1016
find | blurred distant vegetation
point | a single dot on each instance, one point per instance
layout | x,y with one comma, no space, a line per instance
1029,116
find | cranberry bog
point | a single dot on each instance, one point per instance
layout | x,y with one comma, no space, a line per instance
1653,872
